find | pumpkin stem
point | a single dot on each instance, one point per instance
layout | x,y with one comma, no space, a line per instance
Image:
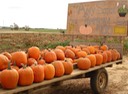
66,60
39,58
9,66
35,63
49,50
85,25
24,66
14,63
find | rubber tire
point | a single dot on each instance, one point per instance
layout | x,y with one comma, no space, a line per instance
95,86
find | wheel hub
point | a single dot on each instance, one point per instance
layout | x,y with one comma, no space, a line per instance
102,80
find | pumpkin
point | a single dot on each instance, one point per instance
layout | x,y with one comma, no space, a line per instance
8,55
68,67
15,67
99,51
83,63
118,55
75,60
34,52
43,52
68,47
0,77
69,59
61,47
31,61
19,57
69,54
105,57
3,62
60,54
91,49
50,56
99,59
81,54
109,54
85,29
38,71
75,50
49,71
78,47
86,50
92,58
41,61
96,47
104,47
114,54
26,76
9,78
59,68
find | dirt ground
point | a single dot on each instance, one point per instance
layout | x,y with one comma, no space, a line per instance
118,82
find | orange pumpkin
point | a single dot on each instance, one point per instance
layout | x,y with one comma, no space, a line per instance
85,29
41,61
19,57
38,71
43,52
86,50
60,54
49,71
114,54
26,76
59,68
8,55
0,77
61,47
78,47
98,51
68,67
75,50
118,55
31,61
99,59
104,47
15,67
50,56
83,63
91,49
68,47
109,54
34,52
81,54
9,78
105,57
92,58
69,59
69,54
3,62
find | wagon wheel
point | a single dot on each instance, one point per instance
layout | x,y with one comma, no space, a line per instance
99,81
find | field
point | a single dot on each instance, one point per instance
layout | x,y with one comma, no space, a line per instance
22,40
44,38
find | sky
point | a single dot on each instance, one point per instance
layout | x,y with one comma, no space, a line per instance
36,13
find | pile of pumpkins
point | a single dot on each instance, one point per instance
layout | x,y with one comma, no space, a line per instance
22,68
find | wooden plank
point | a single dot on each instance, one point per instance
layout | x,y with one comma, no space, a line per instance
75,73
